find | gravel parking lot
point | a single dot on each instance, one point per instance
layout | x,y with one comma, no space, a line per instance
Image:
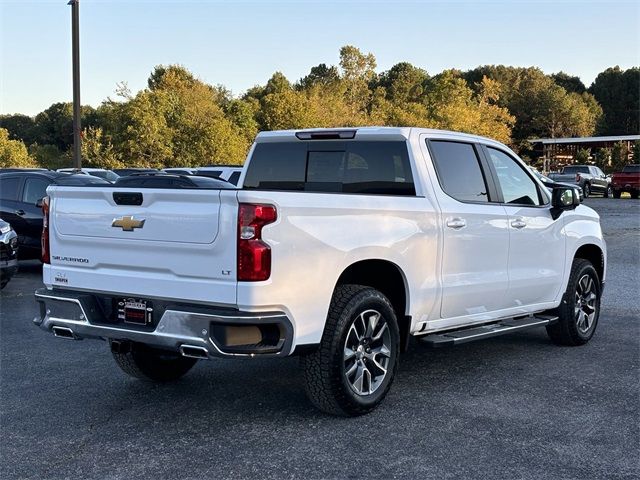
510,407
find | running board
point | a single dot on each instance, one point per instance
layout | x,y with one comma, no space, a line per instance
456,337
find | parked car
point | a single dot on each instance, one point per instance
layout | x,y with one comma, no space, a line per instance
339,246
229,174
8,253
123,172
550,184
21,195
108,175
180,171
591,179
628,180
12,170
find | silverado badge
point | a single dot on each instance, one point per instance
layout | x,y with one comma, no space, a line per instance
127,223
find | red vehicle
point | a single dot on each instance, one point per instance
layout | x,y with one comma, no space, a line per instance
627,181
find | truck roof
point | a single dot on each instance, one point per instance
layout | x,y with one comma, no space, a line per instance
367,133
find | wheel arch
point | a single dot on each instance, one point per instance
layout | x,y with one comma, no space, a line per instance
388,278
594,254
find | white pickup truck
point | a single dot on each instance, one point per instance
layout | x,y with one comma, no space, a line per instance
337,246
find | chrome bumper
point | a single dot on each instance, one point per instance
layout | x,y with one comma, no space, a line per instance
77,315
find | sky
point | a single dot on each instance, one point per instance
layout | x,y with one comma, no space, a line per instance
241,43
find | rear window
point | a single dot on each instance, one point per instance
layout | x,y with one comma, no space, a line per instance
631,169
374,168
573,170
170,181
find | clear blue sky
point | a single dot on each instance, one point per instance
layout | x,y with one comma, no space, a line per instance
241,43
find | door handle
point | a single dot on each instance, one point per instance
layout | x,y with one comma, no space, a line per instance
456,223
19,212
518,223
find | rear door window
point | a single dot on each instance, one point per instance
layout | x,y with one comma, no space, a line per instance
34,190
9,188
458,170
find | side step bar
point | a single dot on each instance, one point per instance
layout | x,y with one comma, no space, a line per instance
456,337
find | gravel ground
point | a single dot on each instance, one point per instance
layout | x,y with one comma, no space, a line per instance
510,407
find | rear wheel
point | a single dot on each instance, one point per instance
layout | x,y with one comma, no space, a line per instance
147,363
353,368
580,308
616,194
634,194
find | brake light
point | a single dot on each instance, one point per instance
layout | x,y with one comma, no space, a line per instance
44,239
254,255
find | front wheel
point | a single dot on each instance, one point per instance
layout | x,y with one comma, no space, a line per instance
147,363
580,308
353,368
608,193
586,190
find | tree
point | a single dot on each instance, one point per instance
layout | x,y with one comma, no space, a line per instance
97,150
48,156
20,127
54,126
403,83
602,158
636,151
619,156
582,156
320,75
13,153
569,82
618,92
358,70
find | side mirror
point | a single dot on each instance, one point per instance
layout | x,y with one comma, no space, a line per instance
39,203
564,198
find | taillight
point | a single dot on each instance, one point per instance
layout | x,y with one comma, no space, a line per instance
254,255
44,239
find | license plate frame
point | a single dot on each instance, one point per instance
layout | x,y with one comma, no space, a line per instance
135,311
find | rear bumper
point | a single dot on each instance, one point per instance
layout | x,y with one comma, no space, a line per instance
181,328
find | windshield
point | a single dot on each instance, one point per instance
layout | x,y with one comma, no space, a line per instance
631,169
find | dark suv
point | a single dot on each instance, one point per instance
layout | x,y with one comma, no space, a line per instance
21,196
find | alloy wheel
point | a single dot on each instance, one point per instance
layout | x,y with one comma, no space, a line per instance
367,350
585,303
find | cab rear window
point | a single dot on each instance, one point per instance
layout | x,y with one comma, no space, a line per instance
374,168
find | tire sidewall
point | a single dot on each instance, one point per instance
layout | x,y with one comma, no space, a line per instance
587,190
572,323
366,300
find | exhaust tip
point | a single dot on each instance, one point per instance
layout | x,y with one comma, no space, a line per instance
194,351
63,332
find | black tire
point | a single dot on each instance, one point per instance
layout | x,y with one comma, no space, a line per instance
568,331
608,193
634,195
586,190
147,363
327,383
616,194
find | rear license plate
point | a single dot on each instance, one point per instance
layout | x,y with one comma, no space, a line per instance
134,310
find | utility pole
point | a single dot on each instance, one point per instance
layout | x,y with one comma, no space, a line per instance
75,42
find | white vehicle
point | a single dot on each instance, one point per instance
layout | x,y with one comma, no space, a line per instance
339,246
229,174
108,175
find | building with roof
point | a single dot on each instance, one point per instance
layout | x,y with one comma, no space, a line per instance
556,152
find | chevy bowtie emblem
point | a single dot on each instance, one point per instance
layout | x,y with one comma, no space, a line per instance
127,223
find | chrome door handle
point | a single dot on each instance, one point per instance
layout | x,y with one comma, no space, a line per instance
456,223
19,212
518,223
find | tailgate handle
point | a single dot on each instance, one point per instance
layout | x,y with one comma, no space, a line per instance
127,198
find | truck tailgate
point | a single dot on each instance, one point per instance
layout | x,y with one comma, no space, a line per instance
176,244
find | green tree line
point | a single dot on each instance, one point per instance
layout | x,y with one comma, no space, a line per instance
179,120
